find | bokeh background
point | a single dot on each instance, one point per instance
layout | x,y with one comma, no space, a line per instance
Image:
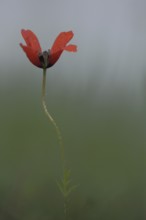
98,98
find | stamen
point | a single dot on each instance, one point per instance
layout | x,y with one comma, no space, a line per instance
44,59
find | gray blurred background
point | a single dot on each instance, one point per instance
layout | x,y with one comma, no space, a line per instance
98,98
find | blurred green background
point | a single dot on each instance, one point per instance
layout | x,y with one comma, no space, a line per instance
97,97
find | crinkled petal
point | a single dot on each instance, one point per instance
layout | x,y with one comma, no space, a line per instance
31,40
59,45
61,41
32,55
71,48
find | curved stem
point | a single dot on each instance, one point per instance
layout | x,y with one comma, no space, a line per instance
58,132
64,184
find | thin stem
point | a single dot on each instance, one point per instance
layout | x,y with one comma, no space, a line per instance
60,139
58,132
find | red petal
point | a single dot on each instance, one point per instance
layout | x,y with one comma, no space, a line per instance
31,40
61,41
32,55
60,45
71,48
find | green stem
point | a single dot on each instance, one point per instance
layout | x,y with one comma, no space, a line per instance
58,132
59,136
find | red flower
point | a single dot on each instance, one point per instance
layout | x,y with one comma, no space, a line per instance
48,58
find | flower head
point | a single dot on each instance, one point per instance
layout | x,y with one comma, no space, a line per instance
48,58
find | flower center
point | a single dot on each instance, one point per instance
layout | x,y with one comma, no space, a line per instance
44,59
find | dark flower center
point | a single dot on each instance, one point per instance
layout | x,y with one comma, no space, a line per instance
44,59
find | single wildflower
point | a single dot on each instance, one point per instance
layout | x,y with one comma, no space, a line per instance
45,60
48,58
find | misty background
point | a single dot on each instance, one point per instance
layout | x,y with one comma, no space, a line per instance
97,97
